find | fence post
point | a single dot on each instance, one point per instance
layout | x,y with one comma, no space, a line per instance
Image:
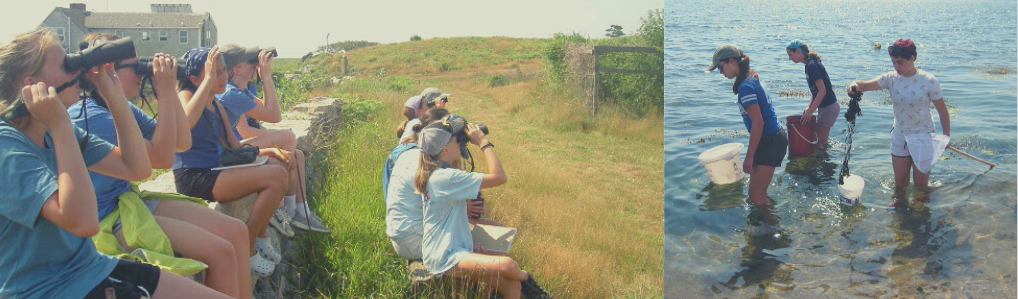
593,100
345,73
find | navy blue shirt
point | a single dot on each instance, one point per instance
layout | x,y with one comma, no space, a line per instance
205,143
753,92
816,71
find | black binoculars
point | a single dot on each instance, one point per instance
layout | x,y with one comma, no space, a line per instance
483,128
97,54
144,67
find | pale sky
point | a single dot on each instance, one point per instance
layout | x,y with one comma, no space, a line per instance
296,27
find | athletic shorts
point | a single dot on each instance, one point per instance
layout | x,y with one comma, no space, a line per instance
196,182
129,280
771,150
827,116
409,247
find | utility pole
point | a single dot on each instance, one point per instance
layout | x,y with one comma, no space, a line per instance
327,50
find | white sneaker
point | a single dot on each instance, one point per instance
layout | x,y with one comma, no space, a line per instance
281,222
313,223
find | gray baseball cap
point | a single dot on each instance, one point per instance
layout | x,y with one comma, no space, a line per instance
722,53
437,135
233,54
430,94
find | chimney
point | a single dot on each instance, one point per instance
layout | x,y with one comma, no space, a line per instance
78,6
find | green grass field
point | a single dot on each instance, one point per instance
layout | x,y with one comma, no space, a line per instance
585,192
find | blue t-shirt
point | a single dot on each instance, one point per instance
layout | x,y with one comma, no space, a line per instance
237,101
40,259
447,236
100,124
753,92
205,143
816,71
404,210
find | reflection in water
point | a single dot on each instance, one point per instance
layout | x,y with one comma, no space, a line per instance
766,245
918,240
816,167
720,197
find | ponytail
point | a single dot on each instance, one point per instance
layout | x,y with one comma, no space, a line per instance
810,54
424,171
744,72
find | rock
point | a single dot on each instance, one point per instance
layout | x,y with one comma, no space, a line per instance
317,115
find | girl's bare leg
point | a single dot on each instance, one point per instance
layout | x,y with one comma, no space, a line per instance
234,184
225,227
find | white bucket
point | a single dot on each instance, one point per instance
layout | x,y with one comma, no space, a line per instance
851,191
723,163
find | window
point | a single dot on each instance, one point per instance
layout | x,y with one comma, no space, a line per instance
164,36
120,33
183,36
145,37
60,33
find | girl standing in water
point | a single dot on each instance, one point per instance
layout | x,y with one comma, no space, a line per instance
767,140
822,99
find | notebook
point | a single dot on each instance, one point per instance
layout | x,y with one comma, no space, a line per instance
493,238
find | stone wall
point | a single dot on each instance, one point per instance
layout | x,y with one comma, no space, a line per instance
308,120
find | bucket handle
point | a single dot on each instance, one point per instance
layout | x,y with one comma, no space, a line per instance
804,138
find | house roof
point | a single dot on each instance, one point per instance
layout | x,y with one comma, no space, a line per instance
144,19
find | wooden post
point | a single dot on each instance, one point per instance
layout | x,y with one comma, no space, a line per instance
597,69
345,73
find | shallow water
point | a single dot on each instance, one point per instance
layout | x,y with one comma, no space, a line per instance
960,244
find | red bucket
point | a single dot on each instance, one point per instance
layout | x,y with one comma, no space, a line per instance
801,138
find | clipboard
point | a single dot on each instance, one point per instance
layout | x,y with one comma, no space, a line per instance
260,160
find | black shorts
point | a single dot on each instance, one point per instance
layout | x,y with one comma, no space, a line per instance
196,182
129,280
771,150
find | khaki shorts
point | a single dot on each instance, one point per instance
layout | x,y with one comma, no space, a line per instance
409,247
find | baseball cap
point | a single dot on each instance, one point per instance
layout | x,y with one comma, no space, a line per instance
233,54
722,53
430,94
437,135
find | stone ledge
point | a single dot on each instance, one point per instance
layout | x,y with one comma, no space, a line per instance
317,114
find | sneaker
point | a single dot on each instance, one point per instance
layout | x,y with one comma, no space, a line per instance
310,224
281,222
261,267
531,290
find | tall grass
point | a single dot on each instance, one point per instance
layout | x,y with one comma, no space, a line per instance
585,192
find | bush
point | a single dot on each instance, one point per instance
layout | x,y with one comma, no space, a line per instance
415,38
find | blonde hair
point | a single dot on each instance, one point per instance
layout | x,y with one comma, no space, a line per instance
424,171
22,57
